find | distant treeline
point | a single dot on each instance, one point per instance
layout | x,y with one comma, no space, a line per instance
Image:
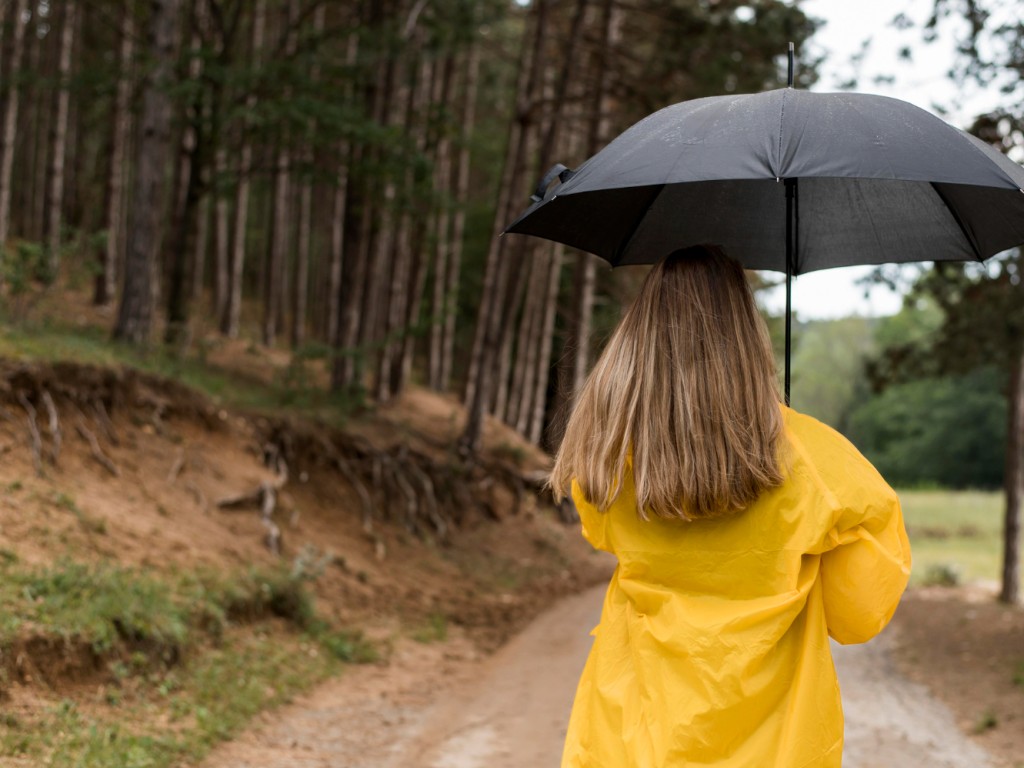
932,429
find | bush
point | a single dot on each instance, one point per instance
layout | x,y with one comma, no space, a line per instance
943,575
943,432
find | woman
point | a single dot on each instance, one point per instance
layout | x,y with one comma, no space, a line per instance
746,534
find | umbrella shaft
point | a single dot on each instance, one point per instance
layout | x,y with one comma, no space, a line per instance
790,204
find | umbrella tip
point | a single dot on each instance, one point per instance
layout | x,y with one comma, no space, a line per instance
789,83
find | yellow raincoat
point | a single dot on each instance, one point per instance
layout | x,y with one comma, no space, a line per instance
713,644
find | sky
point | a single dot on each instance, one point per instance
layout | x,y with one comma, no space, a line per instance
922,81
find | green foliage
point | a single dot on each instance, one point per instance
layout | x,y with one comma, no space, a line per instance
829,382
915,324
987,721
23,269
349,647
983,314
738,51
942,432
942,575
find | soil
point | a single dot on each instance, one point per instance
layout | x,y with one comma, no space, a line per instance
145,491
968,650
444,706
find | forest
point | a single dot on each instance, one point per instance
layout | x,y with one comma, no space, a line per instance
332,179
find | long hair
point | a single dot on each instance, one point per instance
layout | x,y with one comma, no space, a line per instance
684,396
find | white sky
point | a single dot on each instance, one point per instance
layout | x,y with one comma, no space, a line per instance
922,81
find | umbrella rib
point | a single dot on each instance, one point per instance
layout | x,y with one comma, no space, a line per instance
959,222
981,152
624,243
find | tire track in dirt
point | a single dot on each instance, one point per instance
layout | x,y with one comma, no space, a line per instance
441,706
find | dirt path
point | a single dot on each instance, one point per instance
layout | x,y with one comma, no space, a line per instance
438,706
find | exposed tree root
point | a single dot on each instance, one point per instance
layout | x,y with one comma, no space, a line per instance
430,491
176,467
55,433
103,419
97,452
264,498
33,430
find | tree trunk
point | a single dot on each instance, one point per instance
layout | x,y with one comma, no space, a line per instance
106,280
281,230
520,389
380,269
135,314
549,132
575,359
459,221
535,429
444,180
10,123
347,368
36,127
184,240
303,255
338,219
202,242
73,209
435,90
233,310
58,141
493,308
279,241
1010,592
221,233
493,266
337,257
390,265
413,246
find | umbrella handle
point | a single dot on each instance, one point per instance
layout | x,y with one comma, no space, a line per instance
559,170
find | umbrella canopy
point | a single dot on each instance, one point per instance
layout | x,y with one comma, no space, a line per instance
791,181
880,181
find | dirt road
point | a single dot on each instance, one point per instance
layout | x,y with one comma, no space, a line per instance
438,706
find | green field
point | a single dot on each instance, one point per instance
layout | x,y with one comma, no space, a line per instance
958,530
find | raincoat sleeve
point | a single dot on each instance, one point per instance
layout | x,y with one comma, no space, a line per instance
593,522
866,569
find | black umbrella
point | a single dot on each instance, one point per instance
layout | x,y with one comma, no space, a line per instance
787,180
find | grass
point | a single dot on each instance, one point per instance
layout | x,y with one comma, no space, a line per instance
101,605
986,722
433,630
954,532
180,715
293,387
189,659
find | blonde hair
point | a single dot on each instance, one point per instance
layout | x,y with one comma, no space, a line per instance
684,396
